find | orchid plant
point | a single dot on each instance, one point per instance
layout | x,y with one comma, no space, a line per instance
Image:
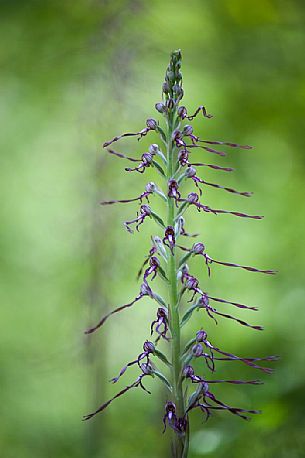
167,259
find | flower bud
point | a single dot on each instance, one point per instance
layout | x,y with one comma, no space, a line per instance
170,103
203,301
187,130
160,107
185,269
157,241
178,76
188,371
152,124
145,290
201,336
177,89
191,283
176,56
179,92
197,350
170,76
148,347
153,148
190,172
176,134
179,225
154,262
165,87
192,197
147,158
150,187
183,156
198,248
146,368
182,112
145,210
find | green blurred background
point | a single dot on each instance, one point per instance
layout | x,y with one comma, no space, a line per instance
74,74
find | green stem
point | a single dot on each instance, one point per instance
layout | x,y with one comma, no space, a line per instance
179,442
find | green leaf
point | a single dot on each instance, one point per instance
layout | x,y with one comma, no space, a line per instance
163,379
162,357
159,168
161,132
160,300
158,219
187,315
194,396
182,209
185,258
188,345
162,274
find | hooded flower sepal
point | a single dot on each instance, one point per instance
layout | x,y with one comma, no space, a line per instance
160,325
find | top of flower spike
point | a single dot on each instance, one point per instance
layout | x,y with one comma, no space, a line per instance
172,87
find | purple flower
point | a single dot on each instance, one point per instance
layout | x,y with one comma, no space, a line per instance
173,190
189,373
191,173
146,371
151,124
201,338
199,249
148,348
146,161
170,418
193,199
160,325
145,211
206,396
169,238
183,157
204,304
144,291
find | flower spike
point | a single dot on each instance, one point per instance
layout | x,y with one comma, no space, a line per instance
167,259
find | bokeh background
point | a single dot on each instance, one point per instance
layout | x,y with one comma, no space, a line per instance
74,74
